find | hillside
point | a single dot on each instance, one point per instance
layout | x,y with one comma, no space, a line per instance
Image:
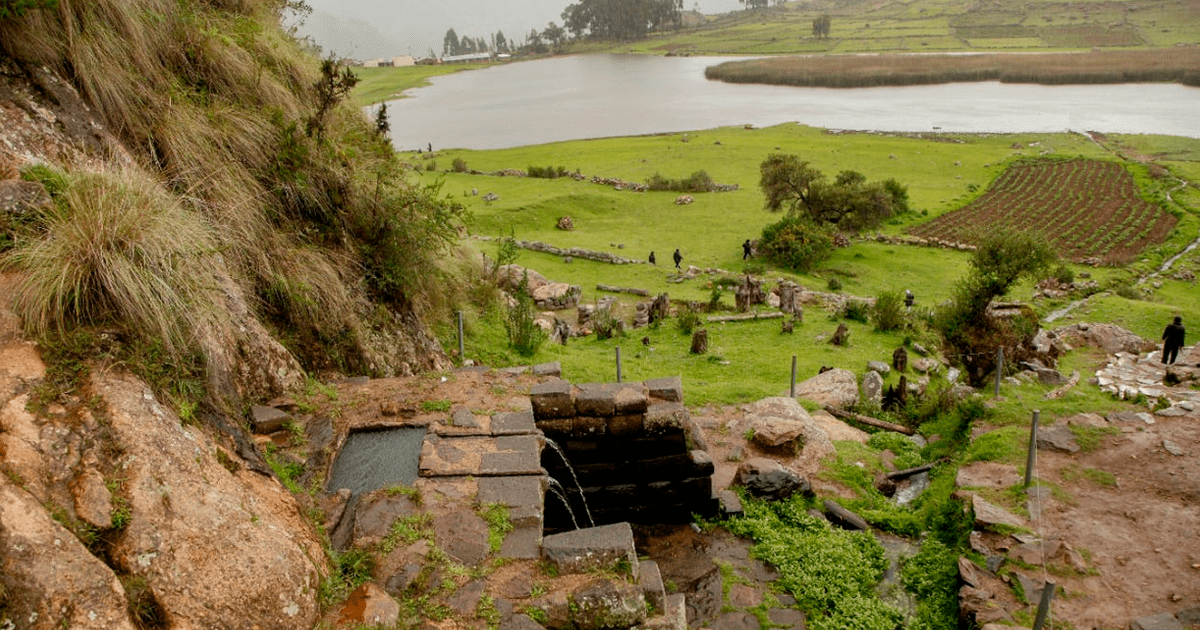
861,26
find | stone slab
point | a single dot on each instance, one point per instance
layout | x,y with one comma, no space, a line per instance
513,423
990,514
665,418
595,547
510,463
669,389
552,399
457,456
1161,621
516,491
595,399
652,583
523,542
987,475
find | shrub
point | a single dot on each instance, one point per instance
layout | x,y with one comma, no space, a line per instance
796,243
834,285
524,335
688,320
1063,274
459,165
117,249
549,172
699,181
888,312
855,311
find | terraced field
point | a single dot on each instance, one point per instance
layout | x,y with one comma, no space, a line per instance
1089,209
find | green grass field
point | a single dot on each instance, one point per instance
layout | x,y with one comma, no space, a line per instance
752,359
376,85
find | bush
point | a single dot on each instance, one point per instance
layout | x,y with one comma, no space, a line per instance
796,243
549,172
700,181
117,249
834,285
688,320
1064,274
888,312
459,165
524,335
855,311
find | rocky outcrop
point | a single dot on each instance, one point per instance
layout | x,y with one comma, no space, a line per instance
184,504
1108,337
810,442
836,388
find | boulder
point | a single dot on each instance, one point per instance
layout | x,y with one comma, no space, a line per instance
836,388
1108,337
814,439
582,550
872,388
19,198
185,507
770,480
776,434
509,277
878,366
49,575
606,605
370,605
1161,621
1057,437
988,514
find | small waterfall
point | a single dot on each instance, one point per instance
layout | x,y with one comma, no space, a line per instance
561,493
558,449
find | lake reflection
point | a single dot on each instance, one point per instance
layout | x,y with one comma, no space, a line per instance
591,96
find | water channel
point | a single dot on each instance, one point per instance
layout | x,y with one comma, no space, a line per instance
593,96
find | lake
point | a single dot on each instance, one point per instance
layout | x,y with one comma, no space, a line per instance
592,96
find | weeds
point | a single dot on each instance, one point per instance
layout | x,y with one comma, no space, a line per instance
499,525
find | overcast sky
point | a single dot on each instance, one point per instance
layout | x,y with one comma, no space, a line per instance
377,28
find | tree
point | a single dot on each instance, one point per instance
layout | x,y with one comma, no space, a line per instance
850,203
820,26
787,181
554,34
382,125
500,42
796,242
450,44
754,4
970,336
620,19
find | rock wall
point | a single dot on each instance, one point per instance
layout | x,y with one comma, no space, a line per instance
629,446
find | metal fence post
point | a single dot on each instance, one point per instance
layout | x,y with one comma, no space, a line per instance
792,391
1033,428
618,364
999,369
461,357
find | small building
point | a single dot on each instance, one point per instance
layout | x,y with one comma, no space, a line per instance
374,63
473,57
403,60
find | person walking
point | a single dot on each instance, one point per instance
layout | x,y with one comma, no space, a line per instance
652,261
1172,340
747,249
678,257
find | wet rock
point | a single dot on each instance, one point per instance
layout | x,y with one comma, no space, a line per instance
370,605
770,480
607,604
590,548
464,536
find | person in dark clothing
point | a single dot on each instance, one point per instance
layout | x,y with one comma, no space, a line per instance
1172,340
652,261
746,249
678,257
908,298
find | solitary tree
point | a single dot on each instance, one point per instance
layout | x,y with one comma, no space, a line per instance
754,4
450,44
787,182
335,84
554,34
820,26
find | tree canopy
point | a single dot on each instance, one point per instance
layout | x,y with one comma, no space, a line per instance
620,19
849,203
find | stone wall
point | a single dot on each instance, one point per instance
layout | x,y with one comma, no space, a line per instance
629,448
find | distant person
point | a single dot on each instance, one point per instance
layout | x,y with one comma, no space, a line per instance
678,257
1172,340
431,147
652,261
908,298
747,249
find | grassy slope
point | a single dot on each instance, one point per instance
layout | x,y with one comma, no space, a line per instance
751,360
935,26
381,84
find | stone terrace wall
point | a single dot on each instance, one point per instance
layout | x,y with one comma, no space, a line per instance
628,445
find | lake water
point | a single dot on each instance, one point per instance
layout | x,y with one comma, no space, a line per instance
591,96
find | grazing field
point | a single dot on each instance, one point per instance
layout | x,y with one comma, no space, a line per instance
1088,209
376,85
936,26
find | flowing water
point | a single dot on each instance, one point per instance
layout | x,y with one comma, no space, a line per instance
557,490
593,96
370,460
558,449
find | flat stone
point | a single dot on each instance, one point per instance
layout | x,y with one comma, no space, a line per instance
510,463
879,366
266,420
552,399
629,399
731,505
652,583
669,389
1173,448
673,617
665,418
461,416
463,534
595,399
1093,420
770,480
989,514
774,433
603,604
374,514
520,622
735,620
788,618
595,547
465,599
548,369
459,456
512,491
986,475
513,423
1131,416
1057,437
523,542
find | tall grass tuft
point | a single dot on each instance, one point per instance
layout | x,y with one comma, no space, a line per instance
116,249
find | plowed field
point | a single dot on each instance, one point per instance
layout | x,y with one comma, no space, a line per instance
1088,209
